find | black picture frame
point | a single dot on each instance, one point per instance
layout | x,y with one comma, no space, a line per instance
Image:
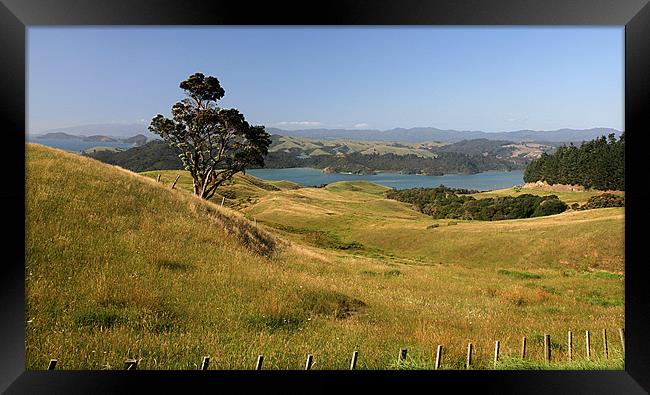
17,15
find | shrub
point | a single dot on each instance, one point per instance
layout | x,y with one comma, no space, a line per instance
520,275
604,200
443,202
274,322
99,317
329,304
550,207
393,273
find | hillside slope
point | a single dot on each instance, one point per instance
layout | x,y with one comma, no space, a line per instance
422,134
359,214
240,192
119,266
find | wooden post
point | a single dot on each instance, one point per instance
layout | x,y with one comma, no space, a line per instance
588,344
309,362
158,178
469,356
438,357
523,347
131,364
570,343
402,355
52,364
353,363
260,360
605,343
223,198
621,334
496,353
205,363
547,348
175,181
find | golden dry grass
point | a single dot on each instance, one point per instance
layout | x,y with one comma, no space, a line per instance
118,266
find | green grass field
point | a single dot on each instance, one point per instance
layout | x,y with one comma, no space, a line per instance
102,148
567,197
119,266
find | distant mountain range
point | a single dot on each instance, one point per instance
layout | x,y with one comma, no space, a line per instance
424,134
412,135
136,140
114,130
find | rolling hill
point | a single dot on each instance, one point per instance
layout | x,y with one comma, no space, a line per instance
109,129
423,134
501,149
468,156
120,266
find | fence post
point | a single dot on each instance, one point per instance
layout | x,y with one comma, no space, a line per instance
496,353
469,356
621,334
570,343
547,348
605,343
175,181
260,360
523,347
588,344
205,363
223,198
309,362
131,364
402,355
353,363
158,178
52,364
438,357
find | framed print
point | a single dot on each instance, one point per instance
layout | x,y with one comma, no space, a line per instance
337,196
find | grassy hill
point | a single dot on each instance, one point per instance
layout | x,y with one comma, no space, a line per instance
242,191
102,148
501,148
580,197
345,156
346,146
120,266
357,213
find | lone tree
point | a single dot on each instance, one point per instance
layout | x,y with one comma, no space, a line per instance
214,143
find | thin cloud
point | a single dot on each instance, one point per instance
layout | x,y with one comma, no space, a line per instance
361,125
301,123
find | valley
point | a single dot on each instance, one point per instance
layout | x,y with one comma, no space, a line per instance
120,266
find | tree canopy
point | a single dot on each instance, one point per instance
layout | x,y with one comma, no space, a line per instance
213,143
444,202
598,164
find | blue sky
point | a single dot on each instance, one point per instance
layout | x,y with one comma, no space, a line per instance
464,78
